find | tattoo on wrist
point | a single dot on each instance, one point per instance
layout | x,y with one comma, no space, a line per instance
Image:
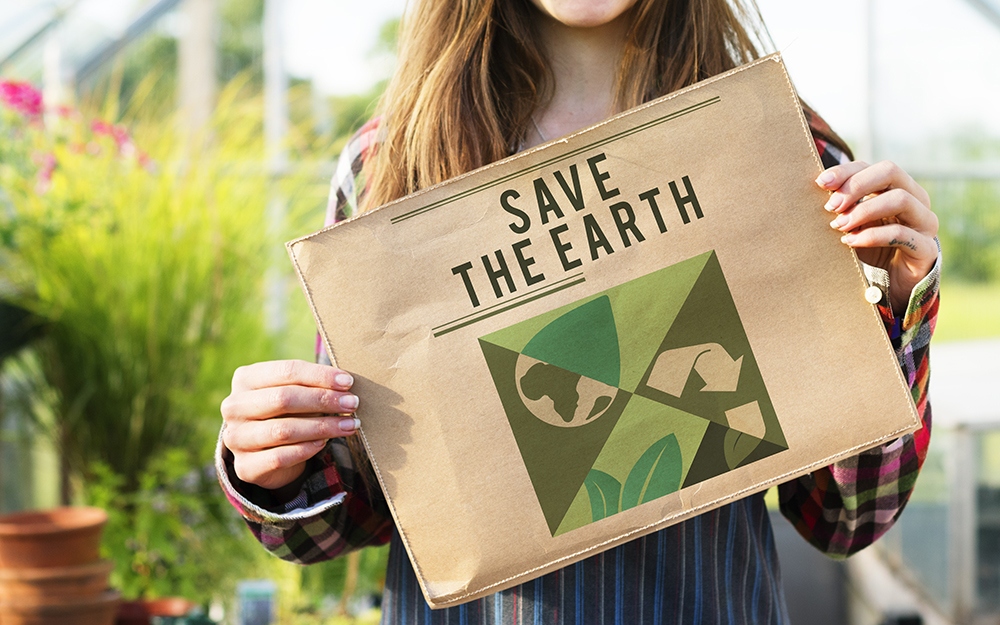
909,244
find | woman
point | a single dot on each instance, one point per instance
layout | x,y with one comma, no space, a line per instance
478,81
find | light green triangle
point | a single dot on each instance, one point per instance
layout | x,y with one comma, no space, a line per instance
517,336
643,423
579,513
644,309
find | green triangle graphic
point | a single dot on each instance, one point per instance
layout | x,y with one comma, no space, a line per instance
646,308
642,424
631,391
583,341
711,459
557,458
709,317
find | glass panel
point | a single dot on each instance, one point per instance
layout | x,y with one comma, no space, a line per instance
988,523
919,540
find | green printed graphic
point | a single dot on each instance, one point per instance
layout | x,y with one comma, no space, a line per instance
631,394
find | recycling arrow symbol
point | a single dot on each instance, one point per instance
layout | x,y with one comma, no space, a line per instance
712,362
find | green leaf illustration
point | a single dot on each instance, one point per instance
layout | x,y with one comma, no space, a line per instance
657,473
604,492
738,446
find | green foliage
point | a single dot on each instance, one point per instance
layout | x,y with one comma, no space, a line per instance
240,51
351,111
241,41
319,580
175,535
969,228
147,275
149,279
968,311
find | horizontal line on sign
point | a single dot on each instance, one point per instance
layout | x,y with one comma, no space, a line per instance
502,308
562,157
510,301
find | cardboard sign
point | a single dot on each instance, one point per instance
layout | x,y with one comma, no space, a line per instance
608,334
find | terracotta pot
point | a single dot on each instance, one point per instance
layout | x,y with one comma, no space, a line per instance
68,536
85,580
99,610
169,606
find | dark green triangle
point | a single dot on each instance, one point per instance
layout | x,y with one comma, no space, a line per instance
708,316
557,459
584,341
710,460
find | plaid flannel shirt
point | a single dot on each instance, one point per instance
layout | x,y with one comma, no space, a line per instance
721,563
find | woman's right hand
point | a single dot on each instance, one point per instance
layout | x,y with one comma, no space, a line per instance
280,414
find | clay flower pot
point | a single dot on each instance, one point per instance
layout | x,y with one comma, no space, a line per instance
169,606
85,580
99,610
68,536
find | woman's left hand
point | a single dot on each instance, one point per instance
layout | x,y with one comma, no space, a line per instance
886,217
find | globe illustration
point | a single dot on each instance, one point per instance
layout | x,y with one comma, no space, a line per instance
560,397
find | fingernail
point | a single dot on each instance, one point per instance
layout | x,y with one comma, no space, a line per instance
344,380
319,443
847,238
349,402
834,202
839,223
825,178
350,425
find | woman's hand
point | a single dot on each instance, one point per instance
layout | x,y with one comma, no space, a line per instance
886,217
278,416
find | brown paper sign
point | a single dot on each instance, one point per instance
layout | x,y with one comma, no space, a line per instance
608,334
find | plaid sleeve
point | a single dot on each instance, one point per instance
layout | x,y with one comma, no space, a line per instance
335,511
845,507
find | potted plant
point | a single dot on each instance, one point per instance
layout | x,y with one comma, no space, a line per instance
148,279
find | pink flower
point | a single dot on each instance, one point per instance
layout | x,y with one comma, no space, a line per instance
146,162
48,166
22,97
101,128
120,135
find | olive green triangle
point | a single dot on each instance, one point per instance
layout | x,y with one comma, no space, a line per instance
557,458
709,316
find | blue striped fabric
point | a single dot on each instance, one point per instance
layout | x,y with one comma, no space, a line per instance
687,573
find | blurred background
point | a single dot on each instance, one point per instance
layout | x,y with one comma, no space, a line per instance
154,155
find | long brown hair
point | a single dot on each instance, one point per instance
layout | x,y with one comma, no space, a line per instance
472,73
